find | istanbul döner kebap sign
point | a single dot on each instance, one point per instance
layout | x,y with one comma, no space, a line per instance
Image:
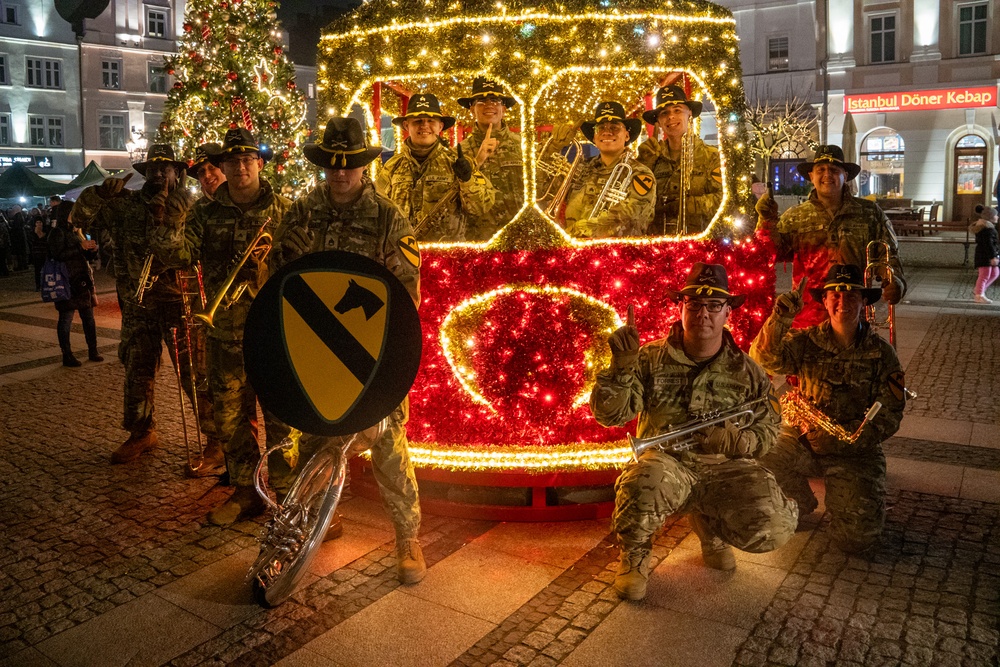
922,100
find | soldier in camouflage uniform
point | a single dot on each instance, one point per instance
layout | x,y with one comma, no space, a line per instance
498,151
671,118
831,227
843,367
425,171
611,132
126,218
345,213
216,232
730,498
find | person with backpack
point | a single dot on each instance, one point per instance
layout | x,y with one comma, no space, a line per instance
67,245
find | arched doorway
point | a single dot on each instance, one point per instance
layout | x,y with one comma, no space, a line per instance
969,177
881,164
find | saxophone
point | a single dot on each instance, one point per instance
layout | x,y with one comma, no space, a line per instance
798,411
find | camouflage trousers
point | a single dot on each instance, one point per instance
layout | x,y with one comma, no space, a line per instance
855,488
235,407
144,333
391,466
737,500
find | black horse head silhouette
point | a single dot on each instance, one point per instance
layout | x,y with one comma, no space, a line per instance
359,297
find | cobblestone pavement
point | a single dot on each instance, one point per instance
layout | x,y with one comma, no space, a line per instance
84,539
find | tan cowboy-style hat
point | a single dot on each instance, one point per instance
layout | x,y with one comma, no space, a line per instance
482,89
710,281
160,153
667,96
846,278
424,105
832,154
201,155
343,146
606,111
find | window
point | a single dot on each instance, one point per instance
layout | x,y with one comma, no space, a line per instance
883,29
777,54
43,73
9,14
4,77
45,130
111,74
156,22
157,78
882,164
972,29
4,129
111,130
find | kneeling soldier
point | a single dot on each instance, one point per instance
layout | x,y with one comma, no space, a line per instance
698,369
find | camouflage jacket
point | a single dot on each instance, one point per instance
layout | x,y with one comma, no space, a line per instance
415,187
704,195
666,388
505,171
127,224
628,218
843,383
216,233
816,239
372,226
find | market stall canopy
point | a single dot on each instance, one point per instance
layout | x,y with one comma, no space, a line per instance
92,174
19,181
134,183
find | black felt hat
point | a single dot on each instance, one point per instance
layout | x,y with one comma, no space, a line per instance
238,140
424,105
831,154
201,155
606,111
160,153
846,278
710,281
483,88
671,95
343,146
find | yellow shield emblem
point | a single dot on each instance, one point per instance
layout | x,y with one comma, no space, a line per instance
410,251
642,183
334,328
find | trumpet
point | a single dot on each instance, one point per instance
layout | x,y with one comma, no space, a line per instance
798,411
676,440
146,279
257,250
877,266
615,189
556,166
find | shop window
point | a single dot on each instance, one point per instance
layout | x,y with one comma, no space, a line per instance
883,39
777,54
111,74
881,165
972,23
970,158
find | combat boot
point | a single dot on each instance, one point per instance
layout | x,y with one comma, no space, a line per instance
410,565
213,461
70,360
243,504
634,566
132,448
717,554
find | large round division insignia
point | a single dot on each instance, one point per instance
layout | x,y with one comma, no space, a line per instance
332,343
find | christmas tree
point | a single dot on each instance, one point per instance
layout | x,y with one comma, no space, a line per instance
231,71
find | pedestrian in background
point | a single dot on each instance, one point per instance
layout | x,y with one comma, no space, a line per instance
987,257
67,244
18,238
4,246
38,241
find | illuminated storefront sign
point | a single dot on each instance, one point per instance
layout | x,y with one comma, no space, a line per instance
36,161
922,100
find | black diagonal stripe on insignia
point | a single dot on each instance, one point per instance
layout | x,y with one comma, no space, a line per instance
329,329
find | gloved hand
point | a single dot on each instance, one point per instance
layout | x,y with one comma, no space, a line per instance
462,167
177,205
158,204
624,343
563,134
767,208
791,303
892,292
726,439
823,443
649,150
297,242
112,187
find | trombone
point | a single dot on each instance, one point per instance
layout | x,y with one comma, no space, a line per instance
877,266
257,250
557,166
676,440
146,279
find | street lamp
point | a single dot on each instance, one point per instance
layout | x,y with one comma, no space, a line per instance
137,146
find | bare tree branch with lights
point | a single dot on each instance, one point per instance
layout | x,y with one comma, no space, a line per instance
782,128
231,71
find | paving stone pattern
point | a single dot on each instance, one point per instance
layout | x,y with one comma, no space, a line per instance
11,344
939,452
955,370
962,288
928,594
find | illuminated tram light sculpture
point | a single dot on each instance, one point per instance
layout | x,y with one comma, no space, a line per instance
515,328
